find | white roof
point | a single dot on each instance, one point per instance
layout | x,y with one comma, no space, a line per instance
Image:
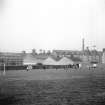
49,61
29,60
65,61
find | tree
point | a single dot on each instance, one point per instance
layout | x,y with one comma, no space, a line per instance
44,52
40,51
48,52
33,51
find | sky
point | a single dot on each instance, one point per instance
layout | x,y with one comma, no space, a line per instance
51,24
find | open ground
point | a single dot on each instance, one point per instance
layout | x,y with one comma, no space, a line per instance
53,87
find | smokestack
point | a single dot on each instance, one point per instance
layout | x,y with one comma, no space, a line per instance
83,45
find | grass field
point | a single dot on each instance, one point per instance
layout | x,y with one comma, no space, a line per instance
53,87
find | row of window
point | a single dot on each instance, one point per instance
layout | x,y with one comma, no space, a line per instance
11,61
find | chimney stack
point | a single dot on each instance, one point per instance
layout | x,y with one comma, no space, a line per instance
83,45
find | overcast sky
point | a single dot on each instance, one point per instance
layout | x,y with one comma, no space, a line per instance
51,24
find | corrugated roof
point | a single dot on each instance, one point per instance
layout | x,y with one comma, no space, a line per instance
29,59
49,61
65,61
33,59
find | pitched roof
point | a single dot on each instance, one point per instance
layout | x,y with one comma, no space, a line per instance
49,61
65,61
29,59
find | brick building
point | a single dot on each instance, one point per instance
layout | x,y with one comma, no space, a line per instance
11,59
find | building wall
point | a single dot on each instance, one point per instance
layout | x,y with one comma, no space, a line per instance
11,60
16,59
103,57
92,58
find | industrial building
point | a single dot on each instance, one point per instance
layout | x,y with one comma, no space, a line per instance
23,58
11,59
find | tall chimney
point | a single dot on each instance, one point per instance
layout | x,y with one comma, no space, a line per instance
83,45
